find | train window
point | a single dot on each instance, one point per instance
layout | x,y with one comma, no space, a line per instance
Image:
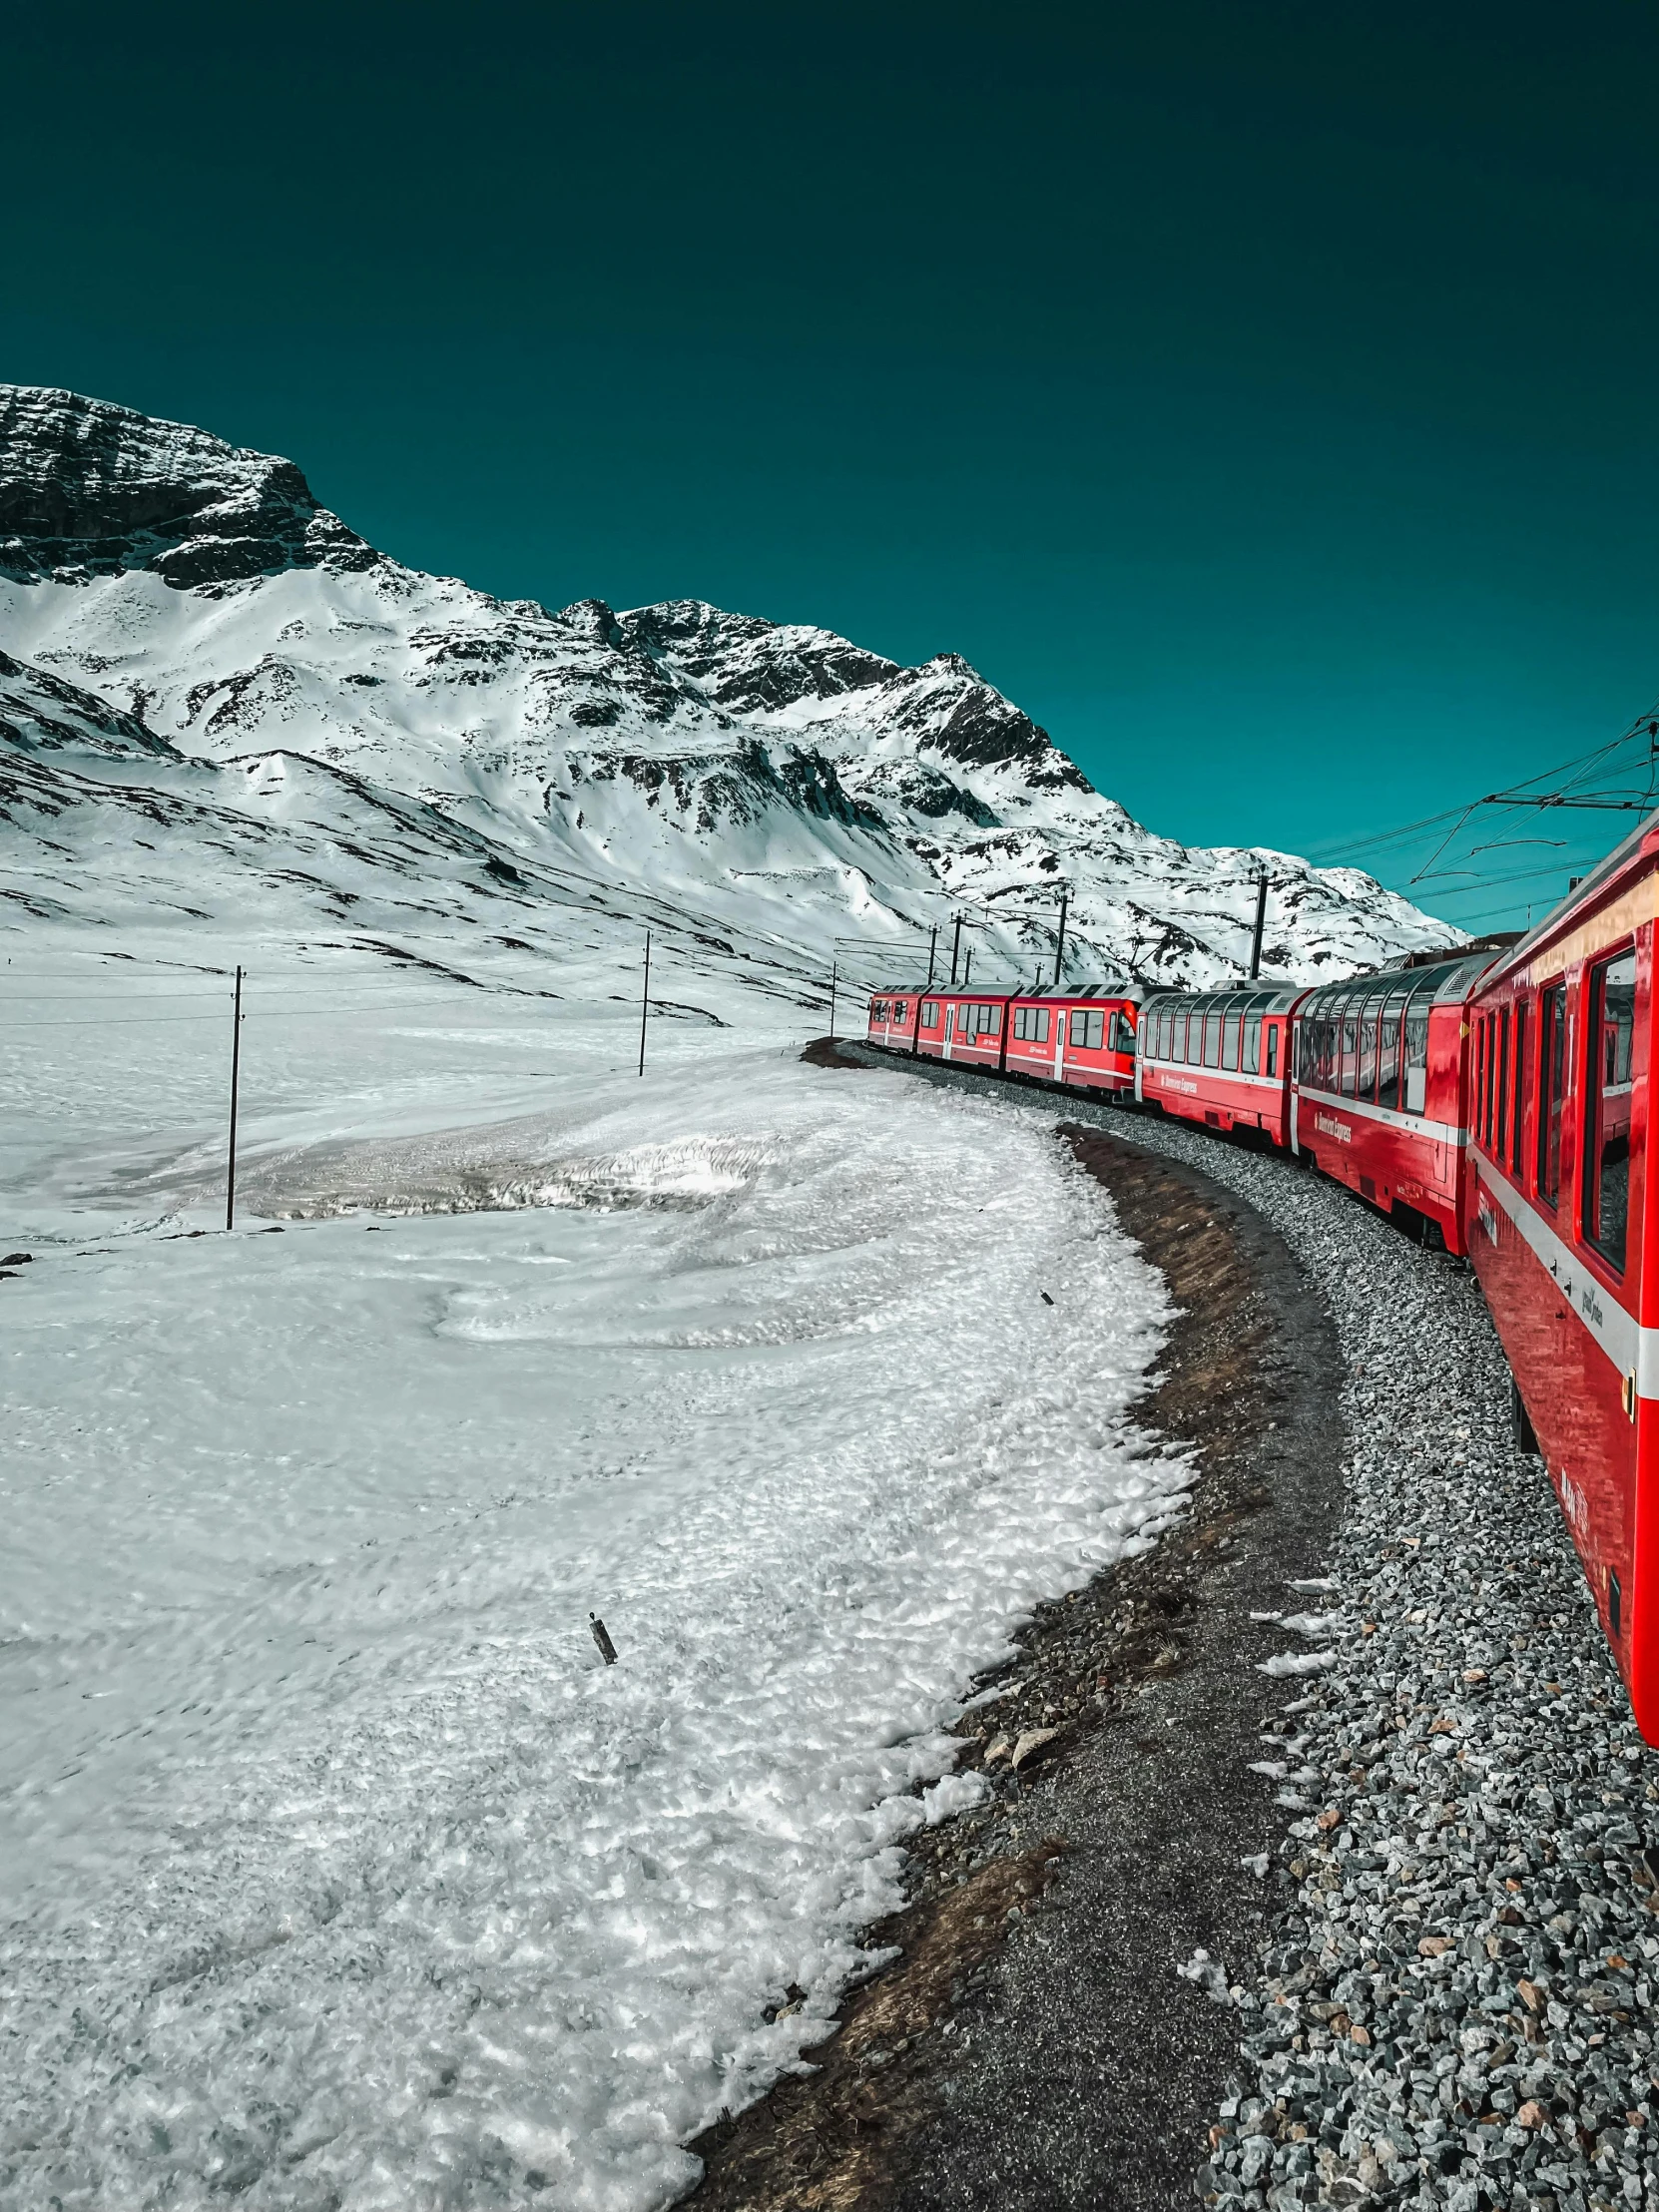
1501,1121
1272,1047
1122,1037
1211,1040
1611,1034
1252,1045
1164,1030
1414,1048
1231,1025
931,1014
1388,1053
1369,1014
1517,1107
1088,1028
1552,1088
1347,1067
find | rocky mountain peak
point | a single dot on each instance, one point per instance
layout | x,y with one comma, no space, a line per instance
90,489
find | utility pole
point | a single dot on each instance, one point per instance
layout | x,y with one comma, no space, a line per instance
236,1084
1261,917
644,999
1060,940
955,951
835,971
967,972
932,948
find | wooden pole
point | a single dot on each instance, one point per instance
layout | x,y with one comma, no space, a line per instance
644,999
236,1084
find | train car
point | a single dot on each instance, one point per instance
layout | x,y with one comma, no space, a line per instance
1221,1058
942,1022
1084,1039
1081,1038
1561,1234
1377,1089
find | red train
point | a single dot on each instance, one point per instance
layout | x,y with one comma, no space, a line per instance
1498,1102
1085,1038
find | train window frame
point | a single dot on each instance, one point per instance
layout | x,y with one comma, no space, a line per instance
1252,1044
1500,1117
1391,1058
1212,1038
1272,1028
929,1013
1232,1041
1086,1030
1518,1093
1365,1061
1554,1065
1413,1053
1598,1082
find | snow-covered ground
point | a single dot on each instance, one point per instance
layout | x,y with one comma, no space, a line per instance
335,1867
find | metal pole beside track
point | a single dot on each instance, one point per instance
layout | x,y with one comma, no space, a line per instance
1060,940
834,970
955,951
236,1084
1261,917
644,999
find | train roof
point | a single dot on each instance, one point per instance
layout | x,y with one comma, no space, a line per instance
1447,982
1237,998
1125,993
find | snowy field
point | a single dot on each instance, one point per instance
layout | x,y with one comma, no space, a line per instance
335,1869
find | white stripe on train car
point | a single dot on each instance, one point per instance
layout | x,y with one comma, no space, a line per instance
1629,1346
1439,1132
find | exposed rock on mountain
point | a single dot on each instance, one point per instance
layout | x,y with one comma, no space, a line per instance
91,489
775,777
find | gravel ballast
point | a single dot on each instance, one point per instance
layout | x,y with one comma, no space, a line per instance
1457,2004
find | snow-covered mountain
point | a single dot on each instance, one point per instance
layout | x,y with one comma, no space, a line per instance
208,633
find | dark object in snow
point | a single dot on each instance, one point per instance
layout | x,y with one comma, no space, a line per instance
607,1650
16,1259
1047,1301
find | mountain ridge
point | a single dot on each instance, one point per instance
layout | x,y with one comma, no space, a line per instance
774,773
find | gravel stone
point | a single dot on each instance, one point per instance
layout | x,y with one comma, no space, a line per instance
1466,1928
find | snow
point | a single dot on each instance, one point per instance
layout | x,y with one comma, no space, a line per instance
336,1868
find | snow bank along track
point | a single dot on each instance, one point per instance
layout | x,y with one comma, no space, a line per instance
1453,2000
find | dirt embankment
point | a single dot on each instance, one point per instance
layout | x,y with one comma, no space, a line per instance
1033,2045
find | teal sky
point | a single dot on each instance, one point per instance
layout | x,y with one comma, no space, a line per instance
1261,394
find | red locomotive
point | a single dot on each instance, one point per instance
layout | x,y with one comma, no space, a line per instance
1496,1101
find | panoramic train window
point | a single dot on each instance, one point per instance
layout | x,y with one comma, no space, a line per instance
1230,1027
1552,1088
1500,1119
1211,1040
1387,1052
1088,1028
1517,1108
1349,1067
1252,1043
1414,1048
1611,1033
1369,1014
1272,1048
